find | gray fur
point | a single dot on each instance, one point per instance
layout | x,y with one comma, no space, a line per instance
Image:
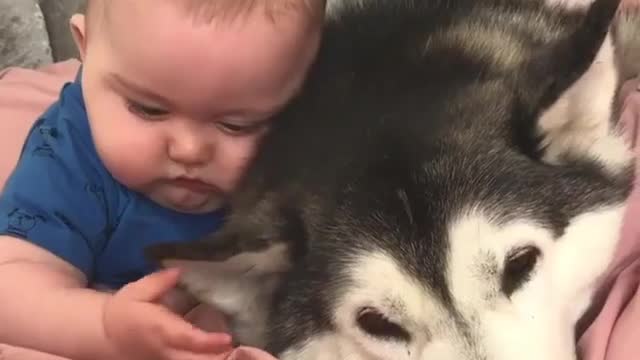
627,34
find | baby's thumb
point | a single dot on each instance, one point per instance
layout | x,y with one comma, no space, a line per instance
152,287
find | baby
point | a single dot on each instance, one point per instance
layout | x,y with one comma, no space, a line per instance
143,147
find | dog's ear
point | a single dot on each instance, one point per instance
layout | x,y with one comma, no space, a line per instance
567,91
237,269
627,39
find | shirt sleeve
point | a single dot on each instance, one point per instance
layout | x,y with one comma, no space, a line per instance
53,200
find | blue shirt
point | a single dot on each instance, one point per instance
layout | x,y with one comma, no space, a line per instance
62,198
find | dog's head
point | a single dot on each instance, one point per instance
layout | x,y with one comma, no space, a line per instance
464,206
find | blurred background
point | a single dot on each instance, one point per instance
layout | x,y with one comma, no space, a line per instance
36,32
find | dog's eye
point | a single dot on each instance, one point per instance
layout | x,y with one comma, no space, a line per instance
518,267
376,324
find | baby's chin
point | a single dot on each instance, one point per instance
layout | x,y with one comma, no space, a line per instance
189,203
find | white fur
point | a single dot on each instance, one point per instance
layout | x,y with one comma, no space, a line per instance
570,4
335,7
487,44
539,317
579,123
245,299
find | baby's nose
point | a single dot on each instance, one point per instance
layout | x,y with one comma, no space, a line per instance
190,149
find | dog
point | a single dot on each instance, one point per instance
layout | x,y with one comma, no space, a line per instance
449,184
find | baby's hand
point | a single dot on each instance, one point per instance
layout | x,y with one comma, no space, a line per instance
140,328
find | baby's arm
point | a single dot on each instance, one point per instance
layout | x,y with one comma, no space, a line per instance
46,305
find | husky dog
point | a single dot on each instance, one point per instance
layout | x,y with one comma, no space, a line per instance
449,185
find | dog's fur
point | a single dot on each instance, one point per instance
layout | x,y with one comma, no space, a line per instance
449,185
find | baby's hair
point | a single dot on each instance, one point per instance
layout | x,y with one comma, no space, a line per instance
208,10
232,9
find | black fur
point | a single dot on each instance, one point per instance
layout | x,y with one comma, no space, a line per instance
389,141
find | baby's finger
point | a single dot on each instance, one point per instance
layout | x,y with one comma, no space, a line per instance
179,334
173,354
151,287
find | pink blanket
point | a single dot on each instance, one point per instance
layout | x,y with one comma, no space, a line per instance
615,331
24,94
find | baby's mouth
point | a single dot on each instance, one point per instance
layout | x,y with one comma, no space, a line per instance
194,185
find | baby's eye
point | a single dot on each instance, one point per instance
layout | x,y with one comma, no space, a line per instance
242,129
145,111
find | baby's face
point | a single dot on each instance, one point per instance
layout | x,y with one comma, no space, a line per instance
176,106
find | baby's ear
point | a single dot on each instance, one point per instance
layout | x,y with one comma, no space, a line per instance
237,270
79,33
568,93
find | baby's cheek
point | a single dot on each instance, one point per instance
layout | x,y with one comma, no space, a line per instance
131,173
132,156
234,158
